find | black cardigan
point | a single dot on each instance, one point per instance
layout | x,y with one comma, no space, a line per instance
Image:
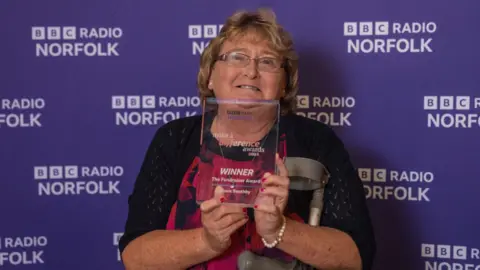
176,144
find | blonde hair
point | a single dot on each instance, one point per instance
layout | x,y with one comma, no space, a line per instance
263,21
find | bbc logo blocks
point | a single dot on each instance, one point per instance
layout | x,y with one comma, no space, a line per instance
204,31
303,101
446,103
378,175
446,252
365,28
55,172
54,33
133,102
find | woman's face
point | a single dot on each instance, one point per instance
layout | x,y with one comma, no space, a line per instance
255,80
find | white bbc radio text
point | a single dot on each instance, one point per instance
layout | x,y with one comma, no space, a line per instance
200,31
21,120
328,118
335,119
133,104
371,37
116,240
57,41
452,111
152,102
66,180
383,175
453,257
388,191
76,49
22,104
145,118
381,28
70,33
74,171
303,102
10,253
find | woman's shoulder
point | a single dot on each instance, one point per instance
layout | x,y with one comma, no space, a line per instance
179,128
178,136
313,139
307,129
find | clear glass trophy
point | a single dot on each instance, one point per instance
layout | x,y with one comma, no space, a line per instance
238,143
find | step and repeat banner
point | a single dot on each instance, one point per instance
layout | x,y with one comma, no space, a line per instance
85,84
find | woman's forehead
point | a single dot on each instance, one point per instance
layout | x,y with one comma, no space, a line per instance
250,41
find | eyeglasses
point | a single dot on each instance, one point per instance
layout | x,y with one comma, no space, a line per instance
267,64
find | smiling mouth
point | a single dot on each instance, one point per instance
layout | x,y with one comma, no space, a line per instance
251,87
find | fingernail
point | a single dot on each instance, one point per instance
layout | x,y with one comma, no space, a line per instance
244,210
262,190
255,206
222,199
263,180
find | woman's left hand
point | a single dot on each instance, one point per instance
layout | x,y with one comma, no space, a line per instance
271,202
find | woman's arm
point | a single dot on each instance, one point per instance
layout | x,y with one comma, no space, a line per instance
162,249
146,244
321,247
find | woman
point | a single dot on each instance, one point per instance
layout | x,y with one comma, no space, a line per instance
251,58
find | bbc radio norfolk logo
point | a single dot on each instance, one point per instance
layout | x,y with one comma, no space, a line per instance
21,112
201,34
116,241
20,251
151,110
452,111
399,185
447,256
384,37
333,111
68,41
73,180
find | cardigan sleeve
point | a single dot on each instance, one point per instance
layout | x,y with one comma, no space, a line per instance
154,191
345,205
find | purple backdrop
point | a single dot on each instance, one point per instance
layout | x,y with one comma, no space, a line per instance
85,84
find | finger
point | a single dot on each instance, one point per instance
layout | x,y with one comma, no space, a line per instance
218,192
210,205
264,199
282,169
229,220
275,180
235,226
275,191
226,209
266,208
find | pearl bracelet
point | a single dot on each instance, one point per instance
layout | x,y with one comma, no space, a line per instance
279,237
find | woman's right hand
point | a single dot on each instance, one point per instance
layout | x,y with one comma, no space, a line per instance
220,221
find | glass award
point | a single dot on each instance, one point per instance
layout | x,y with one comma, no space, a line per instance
238,144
